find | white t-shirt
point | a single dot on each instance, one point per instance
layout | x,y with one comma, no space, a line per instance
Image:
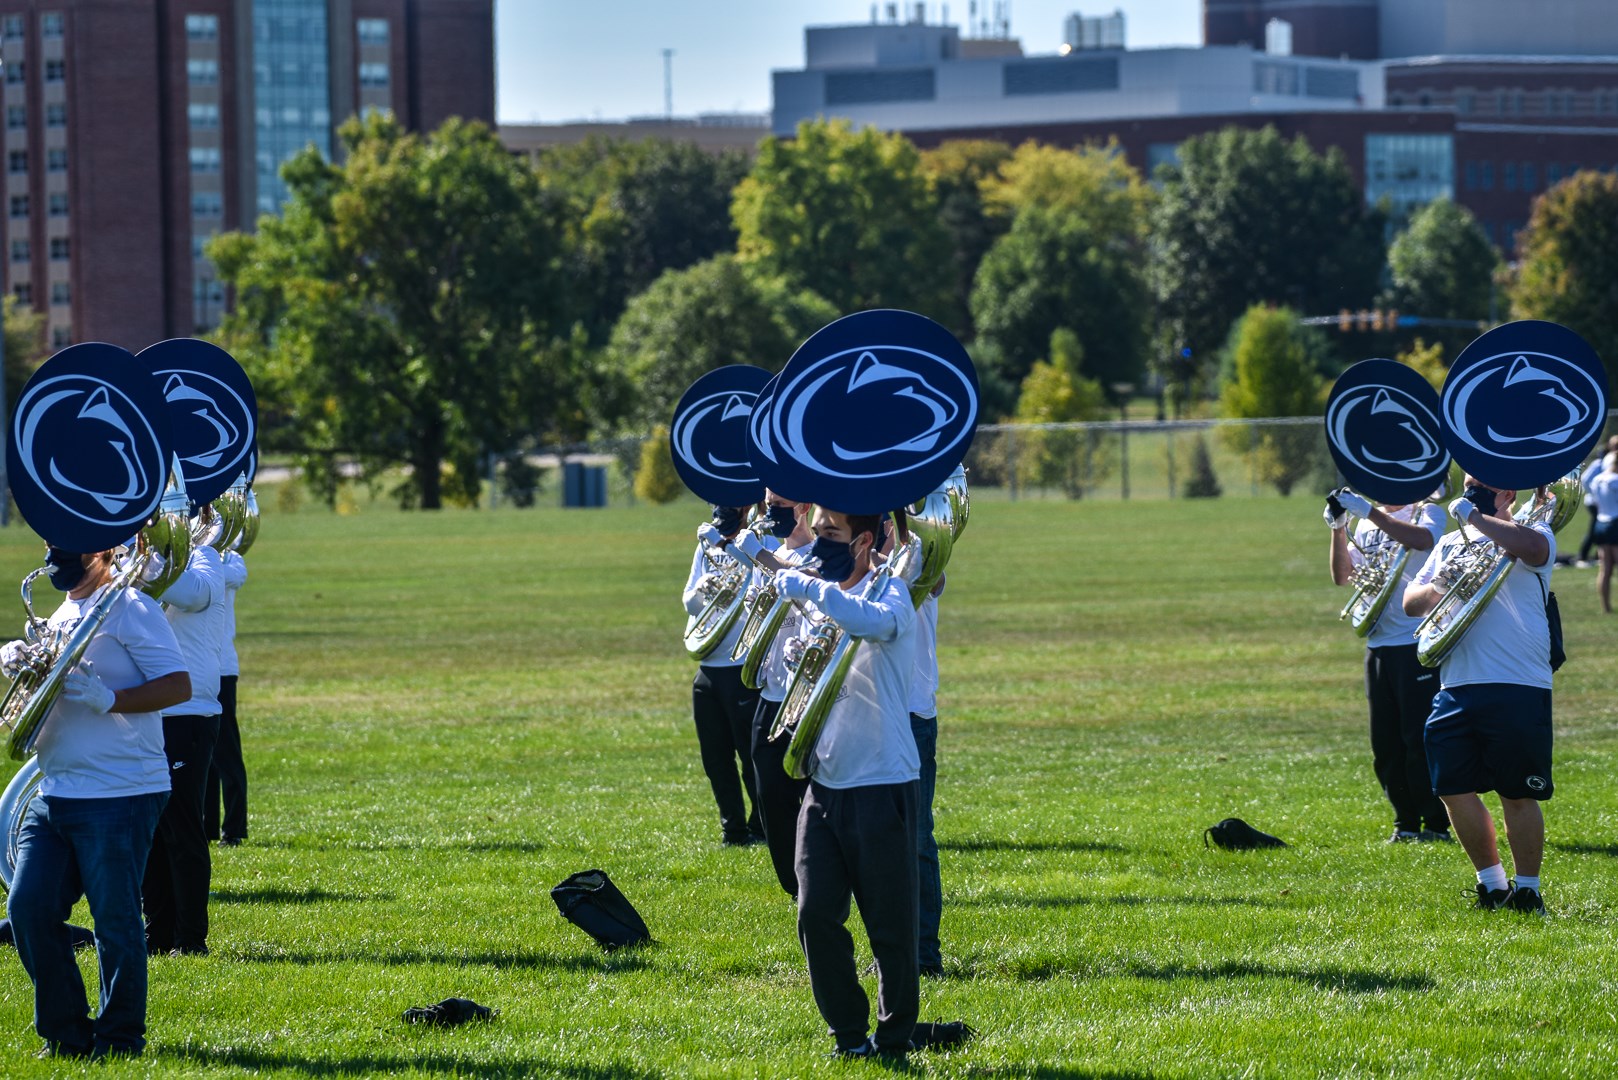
1510,641
773,671
924,685
235,569
195,607
866,739
1393,626
1603,488
90,755
695,602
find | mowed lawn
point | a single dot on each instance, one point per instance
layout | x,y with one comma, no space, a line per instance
446,714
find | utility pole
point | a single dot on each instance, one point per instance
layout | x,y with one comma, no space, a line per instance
668,86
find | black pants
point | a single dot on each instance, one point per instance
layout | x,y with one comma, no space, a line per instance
1589,534
227,776
860,843
175,890
723,710
1400,691
779,796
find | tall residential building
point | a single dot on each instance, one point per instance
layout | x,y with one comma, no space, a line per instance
137,129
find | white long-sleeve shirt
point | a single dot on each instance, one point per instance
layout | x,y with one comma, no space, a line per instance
195,607
235,569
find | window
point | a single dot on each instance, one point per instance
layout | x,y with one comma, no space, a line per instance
1426,100
17,161
56,204
56,115
50,24
13,27
207,204
24,292
61,292
56,159
203,114
202,27
59,248
19,251
374,76
16,117
18,206
16,72
205,159
55,70
1463,103
61,337
1509,176
1553,103
1409,170
1471,176
1488,176
1553,174
202,72
199,245
371,31
1528,177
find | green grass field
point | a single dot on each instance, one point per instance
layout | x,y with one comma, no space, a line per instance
447,714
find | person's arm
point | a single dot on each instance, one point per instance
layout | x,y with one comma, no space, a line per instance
235,570
161,693
694,600
881,619
1411,534
1340,558
1528,545
1421,595
190,591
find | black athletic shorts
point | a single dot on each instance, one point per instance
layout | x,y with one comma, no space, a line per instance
1491,737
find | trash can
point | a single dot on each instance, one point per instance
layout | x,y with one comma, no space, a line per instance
584,485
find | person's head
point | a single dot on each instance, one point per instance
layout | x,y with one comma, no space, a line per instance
1609,463
78,573
1612,444
729,519
860,532
1503,499
783,510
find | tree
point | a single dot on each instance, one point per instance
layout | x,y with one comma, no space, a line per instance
691,321
1427,361
1246,218
656,480
1569,269
398,311
1055,393
1274,376
24,345
634,210
958,170
848,215
1442,264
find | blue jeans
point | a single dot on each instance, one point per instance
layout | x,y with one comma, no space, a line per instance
95,848
925,730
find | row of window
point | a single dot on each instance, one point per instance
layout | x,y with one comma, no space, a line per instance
61,292
1516,176
50,25
55,160
371,31
17,71
17,116
1514,102
202,28
56,202
374,76
22,251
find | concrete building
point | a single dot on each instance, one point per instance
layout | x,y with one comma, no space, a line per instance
137,129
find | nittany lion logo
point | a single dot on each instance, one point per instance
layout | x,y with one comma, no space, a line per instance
1524,405
86,446
213,426
1387,432
873,412
710,435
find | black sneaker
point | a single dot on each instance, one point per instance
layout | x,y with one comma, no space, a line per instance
1489,899
865,1049
1526,901
931,971
61,1050
1436,836
1404,836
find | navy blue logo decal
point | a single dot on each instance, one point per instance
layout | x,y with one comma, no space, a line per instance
871,413
1524,404
709,435
212,409
89,448
1383,430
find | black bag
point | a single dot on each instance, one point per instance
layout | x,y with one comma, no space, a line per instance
1234,834
450,1012
590,901
927,1036
1553,621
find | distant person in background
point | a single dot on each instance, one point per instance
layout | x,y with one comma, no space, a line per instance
1398,688
1603,487
924,728
227,776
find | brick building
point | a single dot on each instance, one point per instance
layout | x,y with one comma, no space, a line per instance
137,129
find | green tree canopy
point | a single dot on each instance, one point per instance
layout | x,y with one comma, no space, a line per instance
398,310
1055,393
958,170
706,316
1442,265
1274,376
849,215
1569,268
1246,217
24,345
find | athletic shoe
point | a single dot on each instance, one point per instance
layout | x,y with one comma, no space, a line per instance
1436,836
931,971
61,1050
1488,899
1403,836
1526,901
866,1049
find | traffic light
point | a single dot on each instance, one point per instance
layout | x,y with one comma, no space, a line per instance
1376,320
1345,320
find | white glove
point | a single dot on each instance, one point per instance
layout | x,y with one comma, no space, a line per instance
793,648
795,585
708,534
1334,519
1462,510
748,542
85,687
1354,504
153,569
708,584
13,658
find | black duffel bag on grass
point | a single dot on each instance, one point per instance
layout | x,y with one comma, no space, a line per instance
1234,834
590,901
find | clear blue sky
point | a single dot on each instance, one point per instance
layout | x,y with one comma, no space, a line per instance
584,59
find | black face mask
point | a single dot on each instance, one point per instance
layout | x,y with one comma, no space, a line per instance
836,558
727,519
66,569
1480,497
783,519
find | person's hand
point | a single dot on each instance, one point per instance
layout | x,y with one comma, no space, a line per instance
1462,510
793,649
708,584
1334,515
710,535
152,570
13,658
748,543
84,686
794,584
1354,504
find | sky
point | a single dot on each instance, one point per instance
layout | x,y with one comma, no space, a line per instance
561,60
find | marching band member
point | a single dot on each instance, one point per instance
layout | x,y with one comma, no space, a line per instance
780,795
1601,481
88,833
178,872
1490,727
857,826
227,776
1398,688
721,706
924,729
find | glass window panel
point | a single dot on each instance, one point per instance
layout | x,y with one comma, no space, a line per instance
1411,170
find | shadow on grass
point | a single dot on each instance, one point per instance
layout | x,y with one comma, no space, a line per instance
274,895
1346,980
994,844
586,962
1010,900
1609,850
380,1063
471,847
